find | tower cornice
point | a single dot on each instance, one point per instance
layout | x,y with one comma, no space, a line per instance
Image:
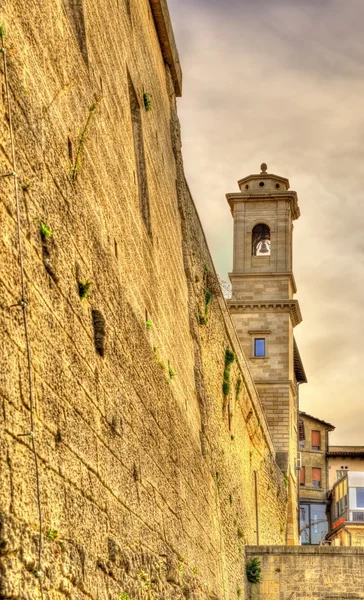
258,306
241,197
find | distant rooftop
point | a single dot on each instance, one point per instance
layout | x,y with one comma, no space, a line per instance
329,426
346,451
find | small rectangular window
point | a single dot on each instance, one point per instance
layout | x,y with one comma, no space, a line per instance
259,347
316,477
360,497
316,440
302,476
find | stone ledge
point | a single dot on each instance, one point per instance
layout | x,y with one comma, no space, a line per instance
333,550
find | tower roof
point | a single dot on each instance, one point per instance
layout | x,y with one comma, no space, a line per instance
264,180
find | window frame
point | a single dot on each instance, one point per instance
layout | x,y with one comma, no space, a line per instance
315,447
255,350
316,481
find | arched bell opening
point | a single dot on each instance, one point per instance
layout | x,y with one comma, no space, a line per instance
261,240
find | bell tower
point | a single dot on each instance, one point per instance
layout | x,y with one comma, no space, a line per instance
265,313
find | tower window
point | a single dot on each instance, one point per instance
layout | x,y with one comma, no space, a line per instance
261,240
259,347
261,183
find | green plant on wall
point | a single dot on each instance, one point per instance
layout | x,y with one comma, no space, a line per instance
147,100
124,596
45,231
172,373
148,324
53,534
238,390
2,32
229,359
203,315
84,288
77,164
239,592
253,570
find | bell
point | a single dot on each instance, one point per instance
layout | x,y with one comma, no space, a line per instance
263,248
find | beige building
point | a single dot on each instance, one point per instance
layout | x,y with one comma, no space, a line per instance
342,459
347,510
264,311
313,478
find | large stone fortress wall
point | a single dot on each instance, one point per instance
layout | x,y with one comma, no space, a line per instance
147,472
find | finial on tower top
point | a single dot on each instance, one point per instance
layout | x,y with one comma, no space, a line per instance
263,167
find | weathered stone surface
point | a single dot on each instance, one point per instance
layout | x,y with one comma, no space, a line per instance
146,470
307,573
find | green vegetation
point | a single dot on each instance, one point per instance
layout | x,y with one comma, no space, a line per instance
229,359
253,570
172,373
2,32
232,437
84,288
239,592
124,596
149,324
147,99
238,389
77,164
45,232
52,534
240,533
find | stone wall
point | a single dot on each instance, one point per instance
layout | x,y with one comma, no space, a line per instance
147,468
308,573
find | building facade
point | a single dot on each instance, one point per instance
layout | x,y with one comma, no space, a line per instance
347,510
313,478
342,459
264,311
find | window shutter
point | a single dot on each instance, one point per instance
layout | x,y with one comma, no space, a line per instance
316,474
316,439
302,476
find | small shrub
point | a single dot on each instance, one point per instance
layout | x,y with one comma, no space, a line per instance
253,570
172,373
52,534
226,388
208,298
45,231
149,324
84,288
238,389
2,32
229,359
124,596
240,533
202,319
232,437
239,592
147,99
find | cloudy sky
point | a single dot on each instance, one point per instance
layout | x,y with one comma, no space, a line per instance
282,82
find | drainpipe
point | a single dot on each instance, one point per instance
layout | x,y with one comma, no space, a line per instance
298,451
